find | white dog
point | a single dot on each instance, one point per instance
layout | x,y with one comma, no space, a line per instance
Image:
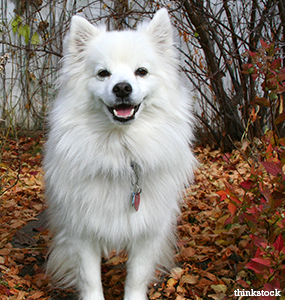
117,156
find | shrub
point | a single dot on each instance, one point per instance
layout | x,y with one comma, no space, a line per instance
259,202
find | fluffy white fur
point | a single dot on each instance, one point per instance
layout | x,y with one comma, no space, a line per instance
89,179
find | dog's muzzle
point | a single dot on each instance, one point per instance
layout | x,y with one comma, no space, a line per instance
123,110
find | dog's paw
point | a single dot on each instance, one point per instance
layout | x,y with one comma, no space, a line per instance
135,295
92,296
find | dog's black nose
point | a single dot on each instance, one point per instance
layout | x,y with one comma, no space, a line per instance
122,89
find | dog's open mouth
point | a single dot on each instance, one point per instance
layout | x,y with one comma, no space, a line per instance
124,112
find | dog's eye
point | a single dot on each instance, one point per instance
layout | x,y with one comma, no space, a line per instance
141,72
103,74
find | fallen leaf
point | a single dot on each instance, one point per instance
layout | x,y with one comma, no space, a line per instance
189,279
171,282
156,295
219,288
176,273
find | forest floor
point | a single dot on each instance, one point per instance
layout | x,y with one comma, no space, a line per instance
209,262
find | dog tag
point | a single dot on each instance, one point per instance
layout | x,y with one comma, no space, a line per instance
136,198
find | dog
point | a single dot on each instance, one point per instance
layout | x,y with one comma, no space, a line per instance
118,154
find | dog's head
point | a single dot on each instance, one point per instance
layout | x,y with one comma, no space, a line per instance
122,67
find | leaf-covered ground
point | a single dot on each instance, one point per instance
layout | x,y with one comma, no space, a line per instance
209,259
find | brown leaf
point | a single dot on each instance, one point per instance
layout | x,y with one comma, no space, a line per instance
37,295
219,296
187,253
156,295
24,238
176,273
219,288
116,260
208,275
17,223
189,279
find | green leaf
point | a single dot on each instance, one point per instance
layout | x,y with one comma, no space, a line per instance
27,35
273,96
25,32
15,23
21,30
35,40
248,69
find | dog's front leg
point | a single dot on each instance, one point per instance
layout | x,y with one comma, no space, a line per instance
142,261
90,285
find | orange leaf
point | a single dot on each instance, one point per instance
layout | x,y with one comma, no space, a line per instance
171,282
232,208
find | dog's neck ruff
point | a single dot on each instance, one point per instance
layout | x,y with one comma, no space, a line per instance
136,186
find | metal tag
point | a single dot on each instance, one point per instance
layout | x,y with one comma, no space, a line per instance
136,198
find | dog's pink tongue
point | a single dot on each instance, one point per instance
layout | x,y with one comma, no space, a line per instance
124,111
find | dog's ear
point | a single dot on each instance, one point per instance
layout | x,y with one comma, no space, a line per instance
160,29
80,33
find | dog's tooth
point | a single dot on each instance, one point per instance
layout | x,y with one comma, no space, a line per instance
115,113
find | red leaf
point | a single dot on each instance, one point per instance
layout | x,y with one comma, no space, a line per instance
256,267
247,184
278,199
281,75
253,210
272,168
257,241
252,54
243,283
223,195
279,243
264,44
254,76
276,64
262,261
232,208
227,157
235,199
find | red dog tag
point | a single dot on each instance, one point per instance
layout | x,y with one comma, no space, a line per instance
136,201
